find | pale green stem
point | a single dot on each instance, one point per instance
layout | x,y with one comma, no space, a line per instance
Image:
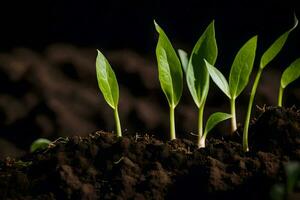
280,96
172,123
118,124
200,127
248,116
233,118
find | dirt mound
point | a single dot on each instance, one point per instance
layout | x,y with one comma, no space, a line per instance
102,166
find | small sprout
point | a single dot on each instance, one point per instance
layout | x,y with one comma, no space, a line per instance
212,121
39,144
289,75
238,77
266,58
109,87
170,74
197,76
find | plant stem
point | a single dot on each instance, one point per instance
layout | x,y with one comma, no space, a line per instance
200,127
248,116
117,121
280,96
233,119
172,123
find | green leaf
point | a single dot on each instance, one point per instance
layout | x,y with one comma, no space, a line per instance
276,47
169,68
292,170
197,75
291,73
214,119
107,81
39,144
218,78
184,59
241,68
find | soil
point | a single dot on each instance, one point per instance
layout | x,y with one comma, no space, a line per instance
102,166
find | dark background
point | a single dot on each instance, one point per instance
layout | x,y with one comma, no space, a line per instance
129,24
48,85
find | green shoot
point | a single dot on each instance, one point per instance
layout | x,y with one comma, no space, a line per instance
39,144
289,75
266,58
238,77
212,121
170,74
109,87
197,76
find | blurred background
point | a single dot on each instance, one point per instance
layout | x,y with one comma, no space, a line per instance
47,63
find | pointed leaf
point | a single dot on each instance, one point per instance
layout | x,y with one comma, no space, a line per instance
241,68
291,73
107,81
197,75
39,144
276,47
214,119
218,78
169,68
184,58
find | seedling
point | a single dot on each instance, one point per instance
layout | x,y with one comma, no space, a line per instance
266,58
197,78
39,144
238,77
170,74
289,75
109,87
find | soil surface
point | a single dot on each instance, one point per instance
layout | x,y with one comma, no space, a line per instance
102,166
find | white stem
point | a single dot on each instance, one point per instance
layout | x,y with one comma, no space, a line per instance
201,143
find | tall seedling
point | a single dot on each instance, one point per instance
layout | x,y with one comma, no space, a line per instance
170,74
266,58
239,75
109,87
197,78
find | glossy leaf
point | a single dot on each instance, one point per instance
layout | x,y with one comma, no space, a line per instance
169,68
291,73
39,144
107,81
218,78
241,68
276,47
197,75
184,58
214,119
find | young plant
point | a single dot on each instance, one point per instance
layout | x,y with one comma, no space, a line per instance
266,58
239,75
289,75
39,144
109,87
170,74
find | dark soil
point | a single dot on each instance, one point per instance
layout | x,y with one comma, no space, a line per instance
102,166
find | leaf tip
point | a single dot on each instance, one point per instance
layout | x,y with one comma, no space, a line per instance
295,21
157,27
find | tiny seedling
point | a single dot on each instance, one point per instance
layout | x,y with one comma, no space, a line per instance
39,144
109,87
170,74
239,75
266,58
289,75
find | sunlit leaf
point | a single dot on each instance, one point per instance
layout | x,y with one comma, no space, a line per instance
184,58
197,75
39,144
214,119
169,68
291,73
107,81
241,68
